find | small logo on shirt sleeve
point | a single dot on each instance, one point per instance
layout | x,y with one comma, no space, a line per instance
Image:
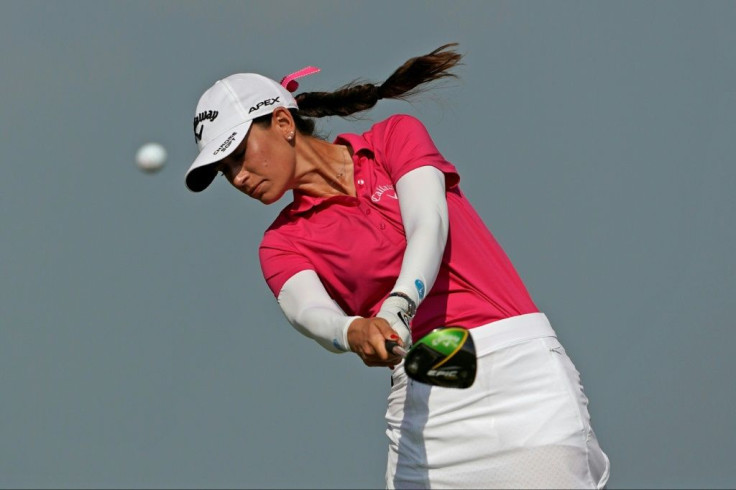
420,288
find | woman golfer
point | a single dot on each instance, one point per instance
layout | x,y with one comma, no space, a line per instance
380,243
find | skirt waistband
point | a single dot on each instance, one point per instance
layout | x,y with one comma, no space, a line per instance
509,331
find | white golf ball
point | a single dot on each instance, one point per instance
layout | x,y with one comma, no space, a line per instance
151,157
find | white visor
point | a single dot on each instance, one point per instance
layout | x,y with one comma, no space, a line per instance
223,117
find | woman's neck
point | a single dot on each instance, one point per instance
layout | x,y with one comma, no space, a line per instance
323,168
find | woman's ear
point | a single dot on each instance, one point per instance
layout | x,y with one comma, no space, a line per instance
283,121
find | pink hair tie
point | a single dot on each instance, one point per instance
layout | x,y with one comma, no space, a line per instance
289,81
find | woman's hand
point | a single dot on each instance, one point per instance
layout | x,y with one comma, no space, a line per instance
367,338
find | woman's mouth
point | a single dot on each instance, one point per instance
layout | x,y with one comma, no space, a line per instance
255,189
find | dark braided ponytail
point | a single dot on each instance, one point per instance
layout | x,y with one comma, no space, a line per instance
356,97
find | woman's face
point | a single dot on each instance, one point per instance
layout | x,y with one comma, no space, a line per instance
262,166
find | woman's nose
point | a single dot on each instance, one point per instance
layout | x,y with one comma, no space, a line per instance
241,177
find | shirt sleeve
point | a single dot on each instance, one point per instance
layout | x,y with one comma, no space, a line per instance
280,260
405,144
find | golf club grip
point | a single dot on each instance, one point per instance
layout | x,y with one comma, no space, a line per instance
394,347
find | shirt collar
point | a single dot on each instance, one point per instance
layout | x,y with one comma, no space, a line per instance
357,142
303,203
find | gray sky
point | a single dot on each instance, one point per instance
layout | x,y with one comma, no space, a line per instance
139,344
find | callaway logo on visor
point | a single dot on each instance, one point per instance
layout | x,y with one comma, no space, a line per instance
202,116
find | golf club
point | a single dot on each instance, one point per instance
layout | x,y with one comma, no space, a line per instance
444,357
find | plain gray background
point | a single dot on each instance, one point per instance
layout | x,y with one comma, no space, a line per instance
139,345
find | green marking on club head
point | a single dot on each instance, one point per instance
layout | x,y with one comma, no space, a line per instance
445,340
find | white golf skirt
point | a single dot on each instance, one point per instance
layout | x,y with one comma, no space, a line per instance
523,424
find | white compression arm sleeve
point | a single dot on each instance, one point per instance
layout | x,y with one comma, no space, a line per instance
423,207
311,310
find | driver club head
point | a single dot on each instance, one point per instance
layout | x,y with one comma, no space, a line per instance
445,357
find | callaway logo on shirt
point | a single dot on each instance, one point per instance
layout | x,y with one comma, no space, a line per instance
384,189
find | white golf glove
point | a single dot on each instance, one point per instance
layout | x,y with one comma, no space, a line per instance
398,310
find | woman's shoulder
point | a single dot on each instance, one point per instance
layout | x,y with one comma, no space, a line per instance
395,122
397,128
382,132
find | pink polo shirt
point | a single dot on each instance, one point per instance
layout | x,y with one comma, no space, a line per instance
356,244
